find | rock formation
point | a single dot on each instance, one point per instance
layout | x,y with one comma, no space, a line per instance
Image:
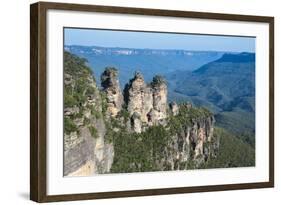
159,93
147,103
191,145
138,97
111,87
174,108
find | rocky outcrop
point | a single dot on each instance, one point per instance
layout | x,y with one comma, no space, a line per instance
85,150
111,87
174,108
160,106
146,103
190,145
138,97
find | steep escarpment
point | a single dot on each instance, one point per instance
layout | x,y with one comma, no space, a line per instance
85,150
110,130
186,141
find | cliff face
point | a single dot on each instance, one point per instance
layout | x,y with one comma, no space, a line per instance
85,149
185,141
107,130
193,144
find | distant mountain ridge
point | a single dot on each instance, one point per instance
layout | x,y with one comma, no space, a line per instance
99,50
226,86
148,61
240,57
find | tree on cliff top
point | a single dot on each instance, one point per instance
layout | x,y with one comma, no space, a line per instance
158,80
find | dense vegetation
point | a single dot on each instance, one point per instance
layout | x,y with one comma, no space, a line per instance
140,152
186,117
74,94
240,123
233,152
76,73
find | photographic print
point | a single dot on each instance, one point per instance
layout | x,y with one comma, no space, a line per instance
139,101
135,102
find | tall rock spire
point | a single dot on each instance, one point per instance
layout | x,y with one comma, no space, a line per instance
111,87
159,93
138,97
147,101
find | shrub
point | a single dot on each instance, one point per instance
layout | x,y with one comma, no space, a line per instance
69,101
69,126
95,112
93,131
158,80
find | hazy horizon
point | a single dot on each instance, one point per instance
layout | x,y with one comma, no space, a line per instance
154,40
165,49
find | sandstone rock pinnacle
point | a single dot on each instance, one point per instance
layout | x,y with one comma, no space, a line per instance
149,101
111,87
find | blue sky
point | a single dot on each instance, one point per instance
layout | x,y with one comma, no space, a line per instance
128,39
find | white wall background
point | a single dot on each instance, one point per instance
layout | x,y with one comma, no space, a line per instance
14,101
